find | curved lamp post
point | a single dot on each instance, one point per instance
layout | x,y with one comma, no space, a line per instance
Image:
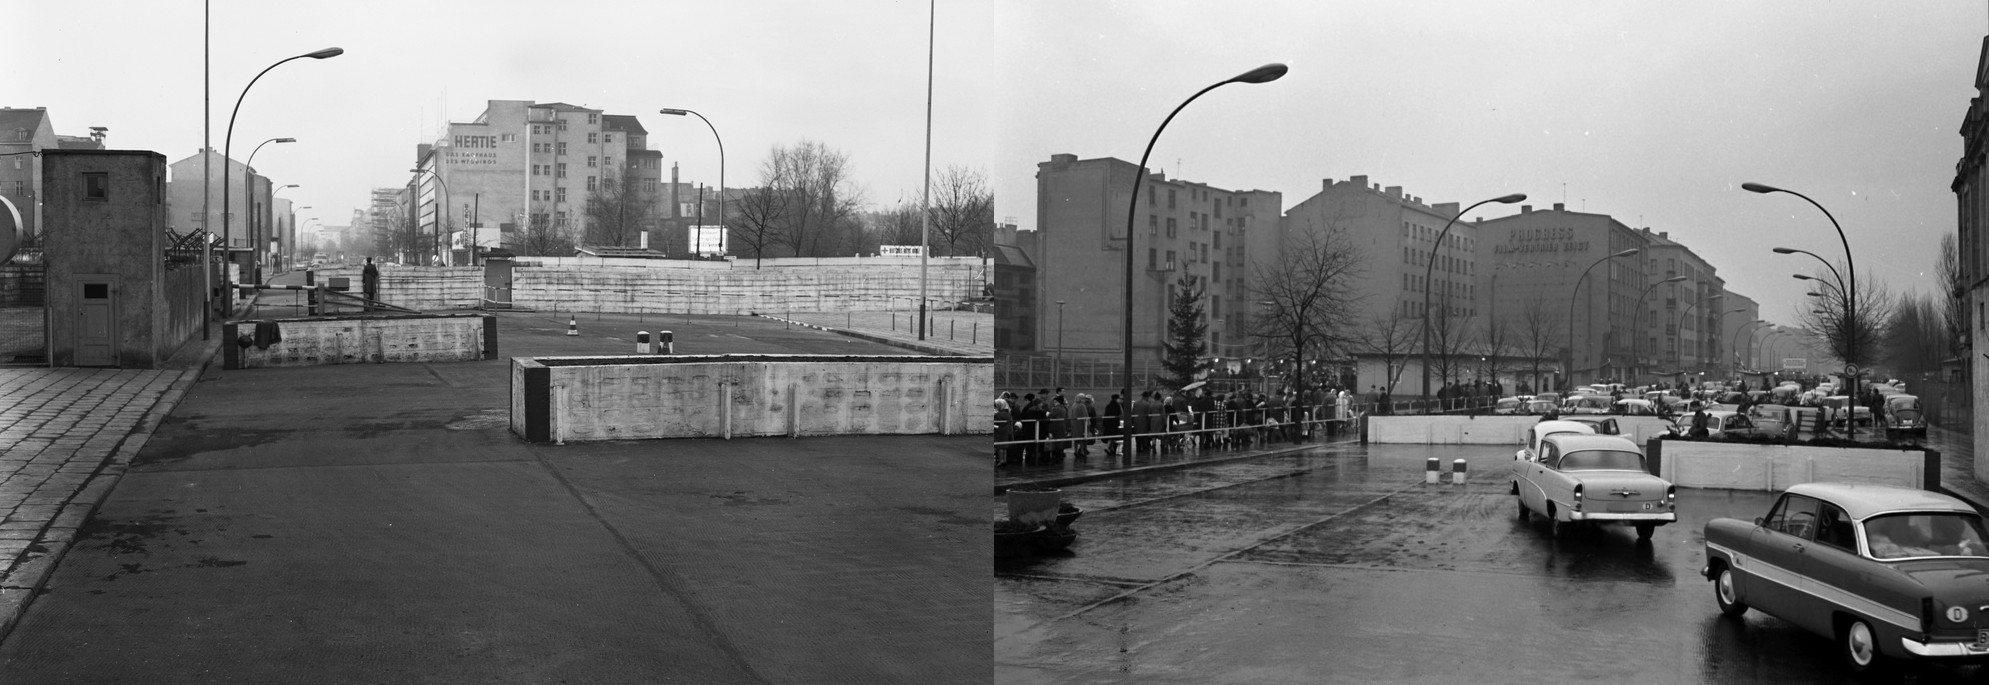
721,175
441,209
227,152
1569,381
1850,303
249,197
1429,271
1264,74
1734,340
1636,322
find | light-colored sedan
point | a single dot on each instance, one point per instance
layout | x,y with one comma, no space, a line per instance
1594,479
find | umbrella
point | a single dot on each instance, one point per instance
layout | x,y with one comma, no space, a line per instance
1192,386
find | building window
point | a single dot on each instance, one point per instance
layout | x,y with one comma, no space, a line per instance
1152,225
562,193
1150,258
510,137
561,172
1170,260
96,186
1170,227
590,183
593,118
607,137
592,138
562,147
1170,198
562,124
559,219
592,161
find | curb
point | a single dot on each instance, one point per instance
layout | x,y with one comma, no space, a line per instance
61,532
1075,479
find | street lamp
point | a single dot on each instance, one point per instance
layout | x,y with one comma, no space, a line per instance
721,186
441,210
1734,339
227,152
249,192
1057,368
1429,270
1571,308
1636,325
1850,299
1263,74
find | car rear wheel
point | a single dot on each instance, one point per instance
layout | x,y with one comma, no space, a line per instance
1860,646
1522,506
1727,595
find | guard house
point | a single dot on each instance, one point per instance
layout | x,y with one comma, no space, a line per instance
118,293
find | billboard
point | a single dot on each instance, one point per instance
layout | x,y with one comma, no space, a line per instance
709,240
1795,364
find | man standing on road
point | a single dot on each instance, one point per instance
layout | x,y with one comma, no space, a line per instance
369,283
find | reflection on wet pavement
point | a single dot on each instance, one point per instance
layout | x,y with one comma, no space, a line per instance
1341,565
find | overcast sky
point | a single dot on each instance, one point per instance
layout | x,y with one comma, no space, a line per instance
849,74
1651,112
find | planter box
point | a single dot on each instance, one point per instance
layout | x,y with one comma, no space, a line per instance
1773,468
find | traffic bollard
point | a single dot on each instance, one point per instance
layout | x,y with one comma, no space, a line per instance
1457,472
572,326
667,343
1430,469
642,343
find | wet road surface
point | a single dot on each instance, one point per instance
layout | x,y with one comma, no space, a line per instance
1340,565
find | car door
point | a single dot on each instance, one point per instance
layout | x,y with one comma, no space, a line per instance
1778,547
1834,573
1533,486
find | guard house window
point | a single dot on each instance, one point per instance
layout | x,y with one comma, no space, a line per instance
96,186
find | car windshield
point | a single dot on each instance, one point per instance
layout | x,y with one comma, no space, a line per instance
1602,460
1926,534
1592,403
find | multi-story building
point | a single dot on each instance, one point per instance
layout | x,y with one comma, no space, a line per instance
1180,228
24,131
1971,189
1681,321
1397,235
522,163
1740,319
247,205
1534,262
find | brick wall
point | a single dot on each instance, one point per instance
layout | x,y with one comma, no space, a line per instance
697,290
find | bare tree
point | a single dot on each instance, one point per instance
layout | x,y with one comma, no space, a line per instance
1851,337
1540,335
1496,342
1954,296
1314,297
1917,335
758,215
542,236
962,211
1393,339
822,200
618,211
899,225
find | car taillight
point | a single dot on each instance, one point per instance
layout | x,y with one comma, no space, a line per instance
1578,497
1671,497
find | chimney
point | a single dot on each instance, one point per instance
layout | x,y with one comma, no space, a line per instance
1447,209
1394,191
1526,209
676,209
1064,158
1559,207
1359,182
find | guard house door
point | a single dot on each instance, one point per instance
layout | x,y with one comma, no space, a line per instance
497,283
96,323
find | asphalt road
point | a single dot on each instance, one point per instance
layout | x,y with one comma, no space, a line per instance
1341,565
378,523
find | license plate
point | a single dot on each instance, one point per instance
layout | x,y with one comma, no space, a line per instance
1981,640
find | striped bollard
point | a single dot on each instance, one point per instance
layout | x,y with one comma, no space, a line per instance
1457,472
1430,470
667,344
642,342
572,326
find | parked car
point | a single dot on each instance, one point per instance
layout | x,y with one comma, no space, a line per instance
1538,431
1904,418
1774,419
1587,404
1887,572
1603,425
1721,423
1633,408
1594,479
1537,407
1508,405
1836,406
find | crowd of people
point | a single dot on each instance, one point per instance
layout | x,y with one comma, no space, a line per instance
1047,426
